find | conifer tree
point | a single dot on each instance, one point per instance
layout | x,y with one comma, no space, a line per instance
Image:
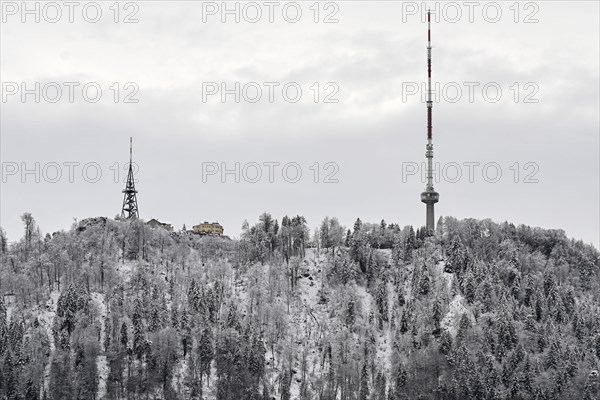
424,283
364,383
400,382
107,333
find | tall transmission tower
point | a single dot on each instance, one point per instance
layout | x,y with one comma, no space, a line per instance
429,196
130,206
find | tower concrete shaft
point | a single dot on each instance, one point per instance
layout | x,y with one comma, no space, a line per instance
130,206
429,196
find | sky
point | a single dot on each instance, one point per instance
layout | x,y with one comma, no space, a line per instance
339,128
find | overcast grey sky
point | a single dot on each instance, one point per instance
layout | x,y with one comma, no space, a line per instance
370,57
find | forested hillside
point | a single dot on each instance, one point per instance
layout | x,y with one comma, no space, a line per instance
113,309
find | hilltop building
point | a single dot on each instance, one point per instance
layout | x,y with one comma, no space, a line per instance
154,223
213,228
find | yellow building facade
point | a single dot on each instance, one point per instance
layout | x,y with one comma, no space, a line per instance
213,228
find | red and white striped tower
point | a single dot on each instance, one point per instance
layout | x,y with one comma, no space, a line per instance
429,196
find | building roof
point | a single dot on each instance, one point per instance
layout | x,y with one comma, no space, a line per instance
155,220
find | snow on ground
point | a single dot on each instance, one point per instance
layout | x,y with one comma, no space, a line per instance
385,339
9,311
449,277
387,253
310,285
408,294
304,323
304,320
452,318
309,294
126,269
101,363
365,299
179,377
46,319
208,391
383,357
98,299
294,390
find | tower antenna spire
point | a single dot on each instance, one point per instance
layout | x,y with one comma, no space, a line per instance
429,196
130,206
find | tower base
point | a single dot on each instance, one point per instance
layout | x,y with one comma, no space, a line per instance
430,217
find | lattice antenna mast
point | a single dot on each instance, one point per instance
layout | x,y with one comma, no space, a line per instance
130,206
429,196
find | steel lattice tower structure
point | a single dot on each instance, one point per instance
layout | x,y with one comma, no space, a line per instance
130,206
429,196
